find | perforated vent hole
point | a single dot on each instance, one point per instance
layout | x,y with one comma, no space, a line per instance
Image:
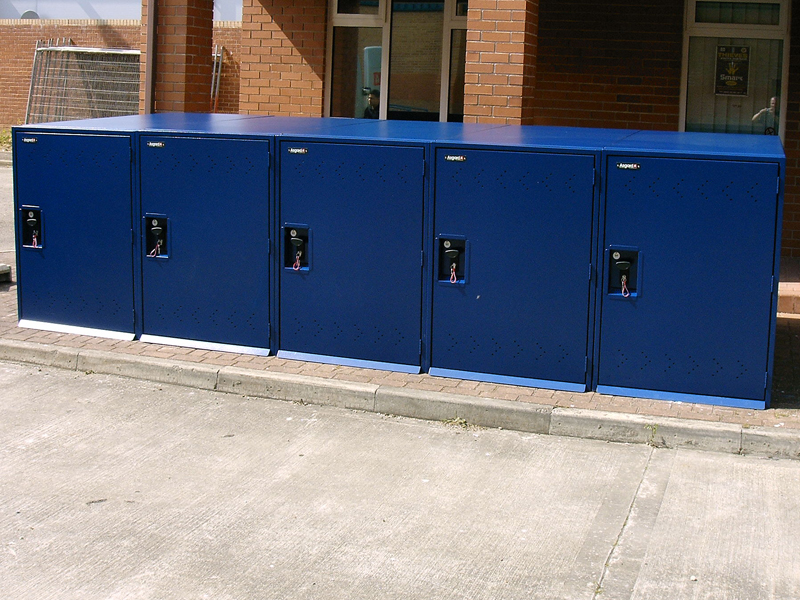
350,332
81,304
59,158
209,320
527,350
655,187
753,192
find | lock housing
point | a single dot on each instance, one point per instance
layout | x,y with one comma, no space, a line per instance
31,227
296,247
156,236
452,251
623,263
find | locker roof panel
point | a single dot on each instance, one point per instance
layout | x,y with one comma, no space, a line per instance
173,122
421,132
545,137
701,145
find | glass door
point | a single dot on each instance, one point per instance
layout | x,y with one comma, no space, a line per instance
396,59
735,67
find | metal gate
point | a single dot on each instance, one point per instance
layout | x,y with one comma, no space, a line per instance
70,83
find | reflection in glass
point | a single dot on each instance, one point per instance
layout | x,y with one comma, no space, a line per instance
740,13
357,7
356,71
416,60
458,56
707,109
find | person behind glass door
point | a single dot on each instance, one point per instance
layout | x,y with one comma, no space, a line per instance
768,115
373,103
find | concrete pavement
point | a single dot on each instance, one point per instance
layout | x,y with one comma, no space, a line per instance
775,432
113,487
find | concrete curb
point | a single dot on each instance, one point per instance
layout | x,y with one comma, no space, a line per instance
486,412
663,432
5,158
297,388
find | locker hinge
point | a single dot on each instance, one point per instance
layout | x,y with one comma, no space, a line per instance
772,284
766,378
778,186
585,366
590,271
420,348
422,258
269,247
133,238
594,177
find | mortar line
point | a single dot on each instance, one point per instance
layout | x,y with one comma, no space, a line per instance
599,588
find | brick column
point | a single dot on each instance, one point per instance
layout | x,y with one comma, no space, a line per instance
790,241
183,55
500,74
283,57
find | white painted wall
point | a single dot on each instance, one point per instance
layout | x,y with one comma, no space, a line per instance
224,10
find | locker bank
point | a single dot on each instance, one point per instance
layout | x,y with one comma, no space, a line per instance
354,214
691,246
633,263
207,213
77,196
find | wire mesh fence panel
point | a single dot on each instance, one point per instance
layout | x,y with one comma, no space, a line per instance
69,82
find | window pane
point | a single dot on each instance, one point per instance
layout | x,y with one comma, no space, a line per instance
740,13
458,54
416,60
357,7
747,105
356,71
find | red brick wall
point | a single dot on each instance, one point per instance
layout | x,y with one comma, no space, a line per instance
229,35
18,43
791,209
283,57
500,73
609,64
183,55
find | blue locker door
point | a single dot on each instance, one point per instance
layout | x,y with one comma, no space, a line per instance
703,233
359,295
521,308
210,280
79,272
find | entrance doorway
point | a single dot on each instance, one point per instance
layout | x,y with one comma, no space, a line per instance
735,59
396,59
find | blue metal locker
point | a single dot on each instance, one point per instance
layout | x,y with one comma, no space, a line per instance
693,232
512,292
73,195
205,242
351,252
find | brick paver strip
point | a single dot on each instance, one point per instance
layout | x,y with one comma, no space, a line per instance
784,413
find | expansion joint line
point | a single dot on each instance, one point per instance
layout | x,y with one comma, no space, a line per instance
598,591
